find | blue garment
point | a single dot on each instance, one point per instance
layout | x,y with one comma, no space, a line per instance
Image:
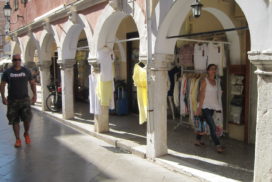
171,75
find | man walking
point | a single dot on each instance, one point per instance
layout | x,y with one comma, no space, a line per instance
18,101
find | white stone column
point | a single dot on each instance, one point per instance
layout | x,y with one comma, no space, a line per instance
157,112
263,145
67,85
44,67
101,120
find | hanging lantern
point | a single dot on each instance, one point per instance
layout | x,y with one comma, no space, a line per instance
196,8
7,10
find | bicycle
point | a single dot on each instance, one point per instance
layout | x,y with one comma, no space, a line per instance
54,101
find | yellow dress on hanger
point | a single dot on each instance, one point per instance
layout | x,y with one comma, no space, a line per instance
104,91
140,81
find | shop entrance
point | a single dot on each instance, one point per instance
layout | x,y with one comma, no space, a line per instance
81,78
55,70
125,116
82,70
132,59
233,68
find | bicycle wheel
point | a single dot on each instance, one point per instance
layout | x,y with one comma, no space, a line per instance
51,103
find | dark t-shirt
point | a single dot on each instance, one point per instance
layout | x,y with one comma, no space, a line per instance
17,81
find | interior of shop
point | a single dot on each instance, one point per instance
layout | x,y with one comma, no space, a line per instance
82,70
234,77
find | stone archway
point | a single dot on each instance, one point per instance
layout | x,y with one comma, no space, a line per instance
66,59
112,18
163,54
48,39
31,45
30,57
15,48
105,34
170,27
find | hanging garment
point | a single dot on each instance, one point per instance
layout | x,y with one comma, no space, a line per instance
176,93
105,92
94,102
216,55
191,100
183,107
186,55
200,56
235,114
171,75
187,96
106,57
140,81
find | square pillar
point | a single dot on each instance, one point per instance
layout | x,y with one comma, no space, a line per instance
67,85
101,120
44,67
263,146
157,106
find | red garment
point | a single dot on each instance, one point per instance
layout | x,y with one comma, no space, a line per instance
186,55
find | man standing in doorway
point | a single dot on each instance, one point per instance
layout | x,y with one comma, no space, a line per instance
18,101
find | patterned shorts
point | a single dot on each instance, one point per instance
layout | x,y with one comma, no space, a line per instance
19,110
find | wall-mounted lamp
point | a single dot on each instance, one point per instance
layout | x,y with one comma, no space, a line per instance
196,8
7,13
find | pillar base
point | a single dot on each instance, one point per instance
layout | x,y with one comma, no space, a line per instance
263,147
102,120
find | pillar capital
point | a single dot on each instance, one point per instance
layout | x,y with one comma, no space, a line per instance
95,65
262,60
66,63
143,58
44,64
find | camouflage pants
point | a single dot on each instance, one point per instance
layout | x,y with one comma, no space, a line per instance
19,110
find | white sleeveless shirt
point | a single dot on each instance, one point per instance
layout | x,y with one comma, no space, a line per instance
211,97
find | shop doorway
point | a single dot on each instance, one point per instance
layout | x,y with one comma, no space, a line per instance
82,70
126,51
55,76
132,59
233,74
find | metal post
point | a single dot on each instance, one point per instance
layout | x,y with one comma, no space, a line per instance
150,123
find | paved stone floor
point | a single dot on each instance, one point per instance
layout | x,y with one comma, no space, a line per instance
236,163
61,154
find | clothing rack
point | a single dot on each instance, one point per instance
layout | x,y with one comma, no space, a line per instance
206,41
181,122
208,33
124,40
191,71
117,41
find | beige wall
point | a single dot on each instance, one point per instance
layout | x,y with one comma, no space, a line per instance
127,25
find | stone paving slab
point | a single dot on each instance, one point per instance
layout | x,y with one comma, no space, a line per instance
63,154
212,169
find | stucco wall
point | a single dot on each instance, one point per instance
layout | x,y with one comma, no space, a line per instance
92,14
33,9
127,25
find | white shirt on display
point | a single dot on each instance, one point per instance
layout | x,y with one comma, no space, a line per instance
216,55
105,58
94,101
200,56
